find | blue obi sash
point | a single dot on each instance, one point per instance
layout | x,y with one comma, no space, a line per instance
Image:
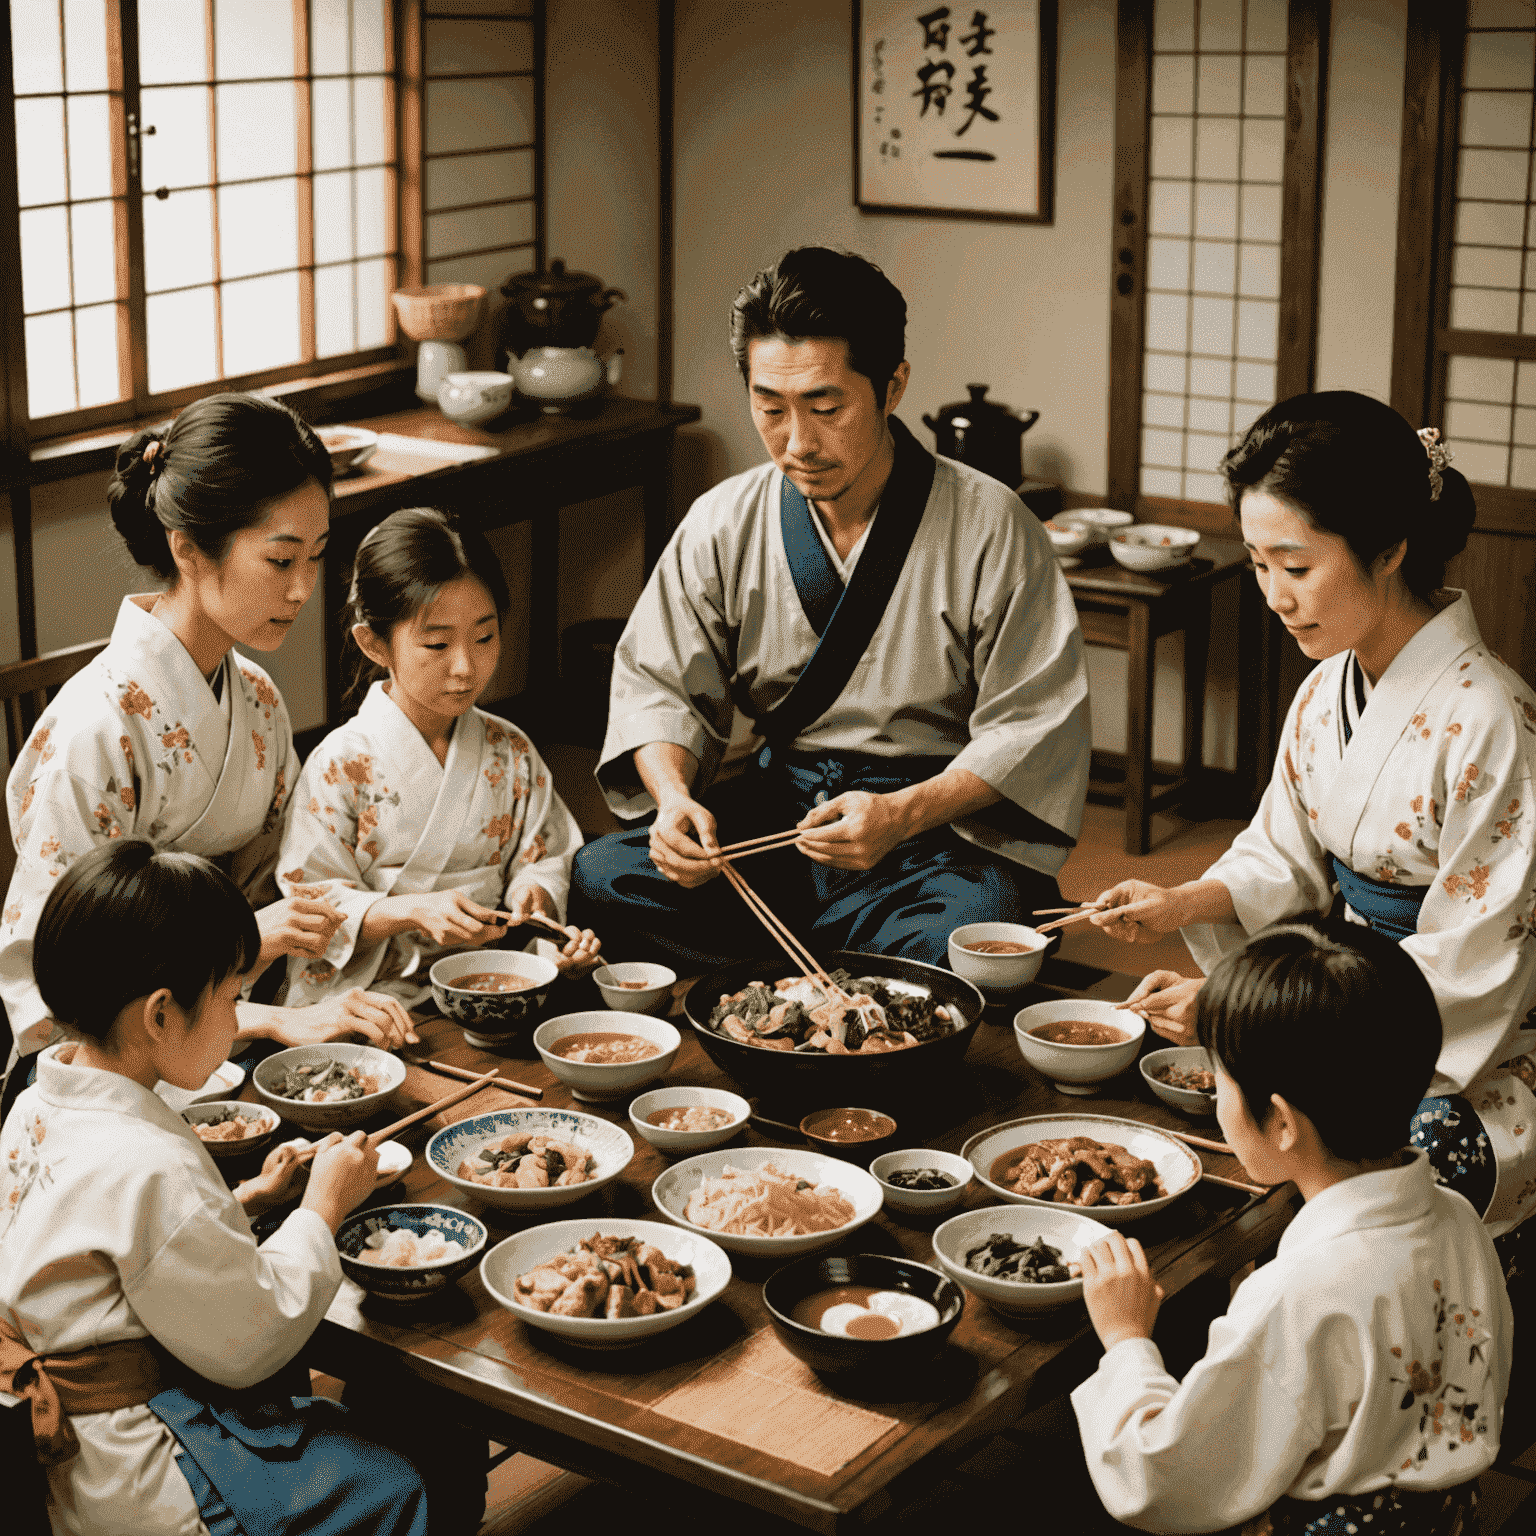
1390,1511
1392,909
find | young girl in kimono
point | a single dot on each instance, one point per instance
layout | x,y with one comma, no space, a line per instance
1404,778
136,1310
1357,1381
170,733
423,816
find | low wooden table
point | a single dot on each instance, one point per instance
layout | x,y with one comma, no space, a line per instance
601,1413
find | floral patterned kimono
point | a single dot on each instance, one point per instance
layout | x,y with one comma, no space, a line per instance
1355,1385
137,744
375,814
1425,784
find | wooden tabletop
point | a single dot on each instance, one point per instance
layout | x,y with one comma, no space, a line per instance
1213,560
597,1412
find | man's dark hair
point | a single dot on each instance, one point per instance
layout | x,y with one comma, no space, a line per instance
815,292
1335,1018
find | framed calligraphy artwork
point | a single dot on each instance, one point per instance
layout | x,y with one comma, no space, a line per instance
954,108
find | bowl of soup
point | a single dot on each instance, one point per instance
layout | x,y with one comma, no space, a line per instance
601,1056
1078,1044
492,994
997,957
633,986
864,1321
683,1121
854,1134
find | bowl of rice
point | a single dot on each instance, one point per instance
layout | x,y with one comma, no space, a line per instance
408,1252
334,1087
683,1121
770,1202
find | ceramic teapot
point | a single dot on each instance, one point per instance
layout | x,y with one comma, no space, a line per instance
558,377
984,434
553,309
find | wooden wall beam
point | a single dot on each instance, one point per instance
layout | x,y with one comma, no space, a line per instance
1306,73
666,182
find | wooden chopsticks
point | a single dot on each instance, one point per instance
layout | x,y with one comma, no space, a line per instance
1078,915
1092,906
446,1102
1203,1143
786,940
1252,1189
510,1084
759,842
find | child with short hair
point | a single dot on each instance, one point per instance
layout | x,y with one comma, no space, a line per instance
1356,1383
135,1304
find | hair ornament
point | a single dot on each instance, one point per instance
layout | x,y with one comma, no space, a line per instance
1439,457
154,456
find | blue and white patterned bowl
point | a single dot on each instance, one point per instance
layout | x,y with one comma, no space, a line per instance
491,1019
411,1282
611,1148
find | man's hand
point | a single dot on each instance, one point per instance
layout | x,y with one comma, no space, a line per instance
683,842
854,831
1118,1287
1166,1000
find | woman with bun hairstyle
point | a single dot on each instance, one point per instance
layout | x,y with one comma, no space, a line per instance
170,734
1404,779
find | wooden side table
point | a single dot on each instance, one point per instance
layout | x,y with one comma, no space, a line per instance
1127,611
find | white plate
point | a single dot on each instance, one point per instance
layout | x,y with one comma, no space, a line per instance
517,1255
1177,1166
672,1189
224,1084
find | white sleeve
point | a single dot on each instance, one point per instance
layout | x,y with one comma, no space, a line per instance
550,838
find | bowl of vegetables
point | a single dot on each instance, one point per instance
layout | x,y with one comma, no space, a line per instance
1019,1261
334,1087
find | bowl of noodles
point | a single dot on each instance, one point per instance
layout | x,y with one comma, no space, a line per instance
770,1202
899,1026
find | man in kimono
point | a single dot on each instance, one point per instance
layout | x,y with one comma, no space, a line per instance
897,632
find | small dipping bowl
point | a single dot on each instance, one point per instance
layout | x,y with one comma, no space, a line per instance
492,1019
593,1082
1190,1058
1078,1068
686,1143
922,1202
997,973
635,986
412,1282
254,1140
855,1135
1067,538
1100,522
864,1366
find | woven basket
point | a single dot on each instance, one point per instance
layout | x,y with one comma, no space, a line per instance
440,311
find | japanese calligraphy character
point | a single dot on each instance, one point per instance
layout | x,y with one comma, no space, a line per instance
976,93
935,27
978,35
935,92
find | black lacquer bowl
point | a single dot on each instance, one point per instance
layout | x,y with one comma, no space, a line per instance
810,1080
860,1365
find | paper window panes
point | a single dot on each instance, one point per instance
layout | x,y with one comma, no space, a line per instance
1499,174
1496,118
330,39
334,333
375,314
258,228
1210,326
44,259
1259,271
481,178
50,364
261,323
94,246
1480,266
181,339
1167,322
1210,415
1466,420
85,45
1221,24
1214,267
96,366
1173,83
1480,378
494,114
173,44
1210,376
1216,210
1204,451
1204,487
1267,21
40,174
371,120
90,147
1161,482
368,36
253,39
1173,141
37,64
1484,309
1216,149
333,217
1168,211
1165,411
1173,26
1220,88
1499,61
1489,223
331,124
178,240
1522,469
375,212
1501,13
1258,330
1264,86
1166,373
1254,382
1483,463
1167,263
1525,428
1260,213
176,154
461,47
1163,449
255,130
1263,149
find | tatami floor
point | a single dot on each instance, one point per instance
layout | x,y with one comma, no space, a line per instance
530,1498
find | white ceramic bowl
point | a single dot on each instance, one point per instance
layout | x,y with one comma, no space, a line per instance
1153,546
223,1084
597,1084
410,1282
1078,1068
686,1143
492,1019
1192,1058
1100,521
996,973
1068,538
476,396
1063,1228
253,1141
517,1255
1177,1166
609,1145
672,1189
922,1202
349,1113
657,983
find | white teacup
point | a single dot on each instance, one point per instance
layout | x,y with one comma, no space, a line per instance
470,398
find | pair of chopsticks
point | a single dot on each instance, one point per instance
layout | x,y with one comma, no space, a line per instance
1207,1145
1085,911
509,1083
768,844
786,940
446,1102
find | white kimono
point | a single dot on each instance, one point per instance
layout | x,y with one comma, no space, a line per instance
1374,1349
978,657
1433,789
376,814
136,744
115,1224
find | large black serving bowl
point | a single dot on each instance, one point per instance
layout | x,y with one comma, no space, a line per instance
863,1366
809,1080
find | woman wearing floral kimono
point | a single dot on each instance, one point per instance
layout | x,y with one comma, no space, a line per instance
1404,778
170,734
422,816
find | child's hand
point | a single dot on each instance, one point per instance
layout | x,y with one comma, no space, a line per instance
579,953
278,1180
451,920
342,1175
1122,1296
